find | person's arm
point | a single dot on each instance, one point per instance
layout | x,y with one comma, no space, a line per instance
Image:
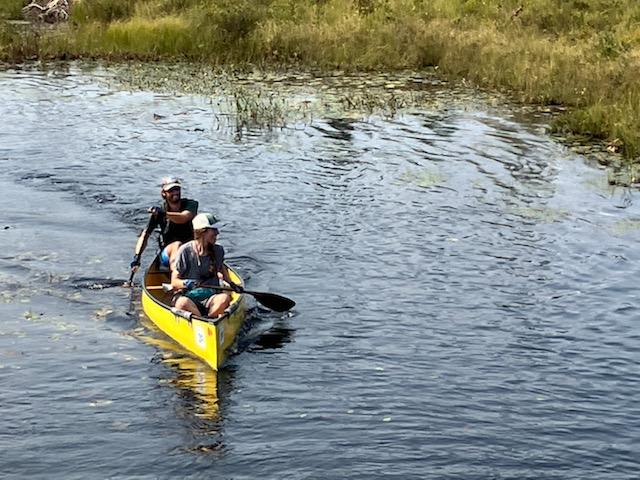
182,217
141,244
186,215
226,276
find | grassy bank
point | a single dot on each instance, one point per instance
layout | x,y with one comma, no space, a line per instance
583,54
11,9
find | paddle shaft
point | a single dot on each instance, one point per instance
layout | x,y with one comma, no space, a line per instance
140,246
272,301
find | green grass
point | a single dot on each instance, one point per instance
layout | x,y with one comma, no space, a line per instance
11,9
583,54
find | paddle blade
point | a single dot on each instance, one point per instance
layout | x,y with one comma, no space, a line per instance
129,283
273,301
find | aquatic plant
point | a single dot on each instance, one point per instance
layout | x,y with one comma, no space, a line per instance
256,109
583,54
424,178
542,214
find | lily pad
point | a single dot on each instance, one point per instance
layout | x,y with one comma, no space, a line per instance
541,214
423,178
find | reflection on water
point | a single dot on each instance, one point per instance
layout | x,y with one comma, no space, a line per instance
197,382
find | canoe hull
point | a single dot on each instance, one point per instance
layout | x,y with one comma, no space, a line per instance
209,339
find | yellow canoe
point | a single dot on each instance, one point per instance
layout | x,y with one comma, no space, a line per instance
209,339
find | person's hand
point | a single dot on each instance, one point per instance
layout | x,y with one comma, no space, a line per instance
189,284
135,263
158,212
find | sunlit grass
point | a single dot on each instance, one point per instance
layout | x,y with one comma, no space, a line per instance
11,9
583,54
140,37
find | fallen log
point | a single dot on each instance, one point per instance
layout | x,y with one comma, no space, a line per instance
47,11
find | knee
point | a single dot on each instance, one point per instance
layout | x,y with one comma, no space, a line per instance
218,304
182,303
224,300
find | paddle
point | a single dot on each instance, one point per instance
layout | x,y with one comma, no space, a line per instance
95,283
129,283
140,246
272,301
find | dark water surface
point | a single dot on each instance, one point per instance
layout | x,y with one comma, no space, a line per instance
466,293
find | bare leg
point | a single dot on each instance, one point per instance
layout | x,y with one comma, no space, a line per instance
217,303
185,303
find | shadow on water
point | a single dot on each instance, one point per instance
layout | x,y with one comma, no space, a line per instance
342,129
96,283
265,330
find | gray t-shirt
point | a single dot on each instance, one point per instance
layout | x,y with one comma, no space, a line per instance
190,265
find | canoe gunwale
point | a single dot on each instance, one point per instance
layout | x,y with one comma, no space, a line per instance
213,321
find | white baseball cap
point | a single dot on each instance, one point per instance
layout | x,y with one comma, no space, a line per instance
170,182
205,220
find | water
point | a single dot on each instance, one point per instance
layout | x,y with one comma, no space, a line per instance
465,288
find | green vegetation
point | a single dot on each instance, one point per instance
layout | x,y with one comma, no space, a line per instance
582,54
11,9
423,178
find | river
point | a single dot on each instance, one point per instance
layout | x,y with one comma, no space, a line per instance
465,287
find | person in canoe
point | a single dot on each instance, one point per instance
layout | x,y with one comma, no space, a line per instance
173,218
200,265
